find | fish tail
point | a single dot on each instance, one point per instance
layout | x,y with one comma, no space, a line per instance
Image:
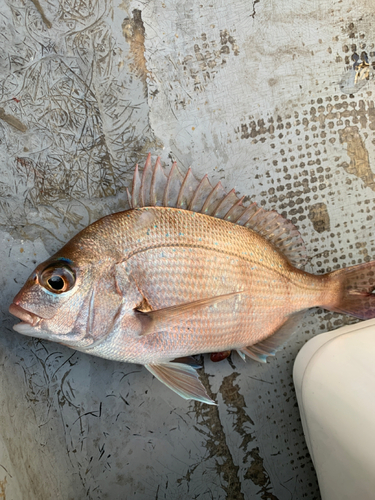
353,291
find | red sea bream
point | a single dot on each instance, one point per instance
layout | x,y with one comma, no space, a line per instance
187,270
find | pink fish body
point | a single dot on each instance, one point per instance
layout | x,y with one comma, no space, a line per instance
187,270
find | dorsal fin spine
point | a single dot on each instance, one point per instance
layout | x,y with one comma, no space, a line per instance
209,197
181,192
283,239
142,188
154,174
134,186
166,191
245,212
222,202
195,196
252,216
231,210
129,198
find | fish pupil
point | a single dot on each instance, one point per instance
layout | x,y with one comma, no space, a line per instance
56,282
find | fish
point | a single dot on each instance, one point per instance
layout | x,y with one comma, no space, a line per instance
188,269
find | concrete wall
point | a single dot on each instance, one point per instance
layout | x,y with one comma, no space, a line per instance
275,99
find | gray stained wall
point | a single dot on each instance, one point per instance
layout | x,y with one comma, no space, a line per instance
275,99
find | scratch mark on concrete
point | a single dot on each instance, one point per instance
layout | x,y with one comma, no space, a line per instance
39,8
12,120
2,466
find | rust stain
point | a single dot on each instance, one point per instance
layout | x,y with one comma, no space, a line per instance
12,120
39,8
318,214
2,488
359,158
134,33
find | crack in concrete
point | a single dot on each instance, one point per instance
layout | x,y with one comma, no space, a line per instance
254,12
256,472
233,398
258,475
216,443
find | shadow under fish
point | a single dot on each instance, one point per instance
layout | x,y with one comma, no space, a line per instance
187,270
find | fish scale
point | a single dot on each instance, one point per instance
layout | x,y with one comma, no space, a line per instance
235,259
161,282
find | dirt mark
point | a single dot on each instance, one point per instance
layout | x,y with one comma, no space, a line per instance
358,154
318,214
232,397
243,423
134,33
2,488
12,120
216,444
210,55
258,475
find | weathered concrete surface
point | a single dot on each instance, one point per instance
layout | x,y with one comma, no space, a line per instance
274,99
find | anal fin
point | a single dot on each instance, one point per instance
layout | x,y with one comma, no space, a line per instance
188,360
270,345
182,379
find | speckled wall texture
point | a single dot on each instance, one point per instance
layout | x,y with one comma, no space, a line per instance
275,99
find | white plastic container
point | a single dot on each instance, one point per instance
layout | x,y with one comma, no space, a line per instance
334,377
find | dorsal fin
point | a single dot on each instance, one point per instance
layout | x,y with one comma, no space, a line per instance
156,188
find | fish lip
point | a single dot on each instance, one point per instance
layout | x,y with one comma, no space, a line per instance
25,316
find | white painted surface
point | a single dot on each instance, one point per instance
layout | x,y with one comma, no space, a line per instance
252,94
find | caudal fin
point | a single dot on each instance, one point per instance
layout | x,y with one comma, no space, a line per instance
355,291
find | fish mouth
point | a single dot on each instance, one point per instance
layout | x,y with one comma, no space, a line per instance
28,319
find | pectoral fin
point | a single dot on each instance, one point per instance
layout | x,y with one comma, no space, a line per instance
269,346
182,379
153,321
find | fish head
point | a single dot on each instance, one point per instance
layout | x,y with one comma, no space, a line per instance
47,304
70,298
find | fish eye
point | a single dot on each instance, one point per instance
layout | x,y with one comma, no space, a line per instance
58,278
